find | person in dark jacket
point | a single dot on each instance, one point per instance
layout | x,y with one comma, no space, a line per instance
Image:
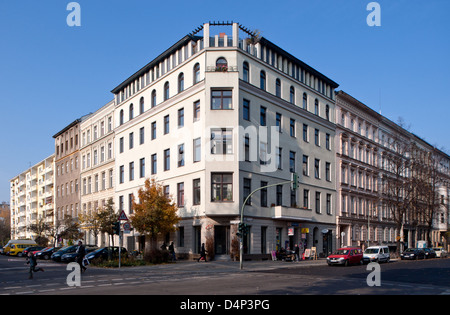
172,252
33,264
202,253
81,252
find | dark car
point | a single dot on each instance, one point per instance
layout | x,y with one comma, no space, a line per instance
56,256
105,252
413,253
70,257
46,253
429,253
32,249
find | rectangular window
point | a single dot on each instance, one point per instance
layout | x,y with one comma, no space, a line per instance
221,187
317,168
306,198
181,155
120,148
221,99
197,150
328,171
246,110
141,135
153,130
181,118
262,116
247,190
305,132
166,124
278,122
167,160
180,194
196,110
131,171
279,196
264,194
142,168
316,137
328,203
279,160
292,128
292,162
131,138
221,141
154,164
196,191
318,202
327,141
305,165
121,174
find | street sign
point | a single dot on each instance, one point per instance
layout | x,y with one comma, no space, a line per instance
123,216
126,228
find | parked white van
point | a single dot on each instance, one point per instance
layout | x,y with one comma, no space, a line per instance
376,254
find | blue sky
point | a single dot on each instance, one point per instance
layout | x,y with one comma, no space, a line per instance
51,74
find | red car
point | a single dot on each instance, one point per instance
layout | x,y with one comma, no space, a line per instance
346,256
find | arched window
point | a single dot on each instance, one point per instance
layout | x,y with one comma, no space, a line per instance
196,73
305,101
153,98
121,117
327,112
131,112
221,64
262,80
316,107
141,106
180,82
246,72
278,87
166,91
292,95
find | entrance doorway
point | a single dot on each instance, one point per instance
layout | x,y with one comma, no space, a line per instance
221,240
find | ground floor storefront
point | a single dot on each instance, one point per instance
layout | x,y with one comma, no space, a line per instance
219,235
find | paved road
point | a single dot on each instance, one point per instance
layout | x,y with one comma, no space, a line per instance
427,277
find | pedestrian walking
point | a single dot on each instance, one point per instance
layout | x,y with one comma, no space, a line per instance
297,253
33,263
172,251
81,252
202,253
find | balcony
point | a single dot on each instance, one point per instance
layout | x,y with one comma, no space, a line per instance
288,213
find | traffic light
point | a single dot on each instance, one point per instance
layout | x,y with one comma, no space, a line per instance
116,228
243,229
294,181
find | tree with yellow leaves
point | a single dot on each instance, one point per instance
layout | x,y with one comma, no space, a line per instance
154,215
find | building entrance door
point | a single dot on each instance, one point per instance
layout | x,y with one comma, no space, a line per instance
220,239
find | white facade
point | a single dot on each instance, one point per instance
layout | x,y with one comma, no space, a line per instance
32,198
97,164
198,148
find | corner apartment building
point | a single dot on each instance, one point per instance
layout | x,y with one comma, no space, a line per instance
32,198
217,116
367,144
97,164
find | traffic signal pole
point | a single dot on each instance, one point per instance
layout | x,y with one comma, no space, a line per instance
294,181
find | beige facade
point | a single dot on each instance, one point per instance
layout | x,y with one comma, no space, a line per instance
367,146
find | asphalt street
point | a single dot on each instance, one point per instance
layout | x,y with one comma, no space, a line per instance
271,278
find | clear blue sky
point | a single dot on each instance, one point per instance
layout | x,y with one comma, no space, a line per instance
51,74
